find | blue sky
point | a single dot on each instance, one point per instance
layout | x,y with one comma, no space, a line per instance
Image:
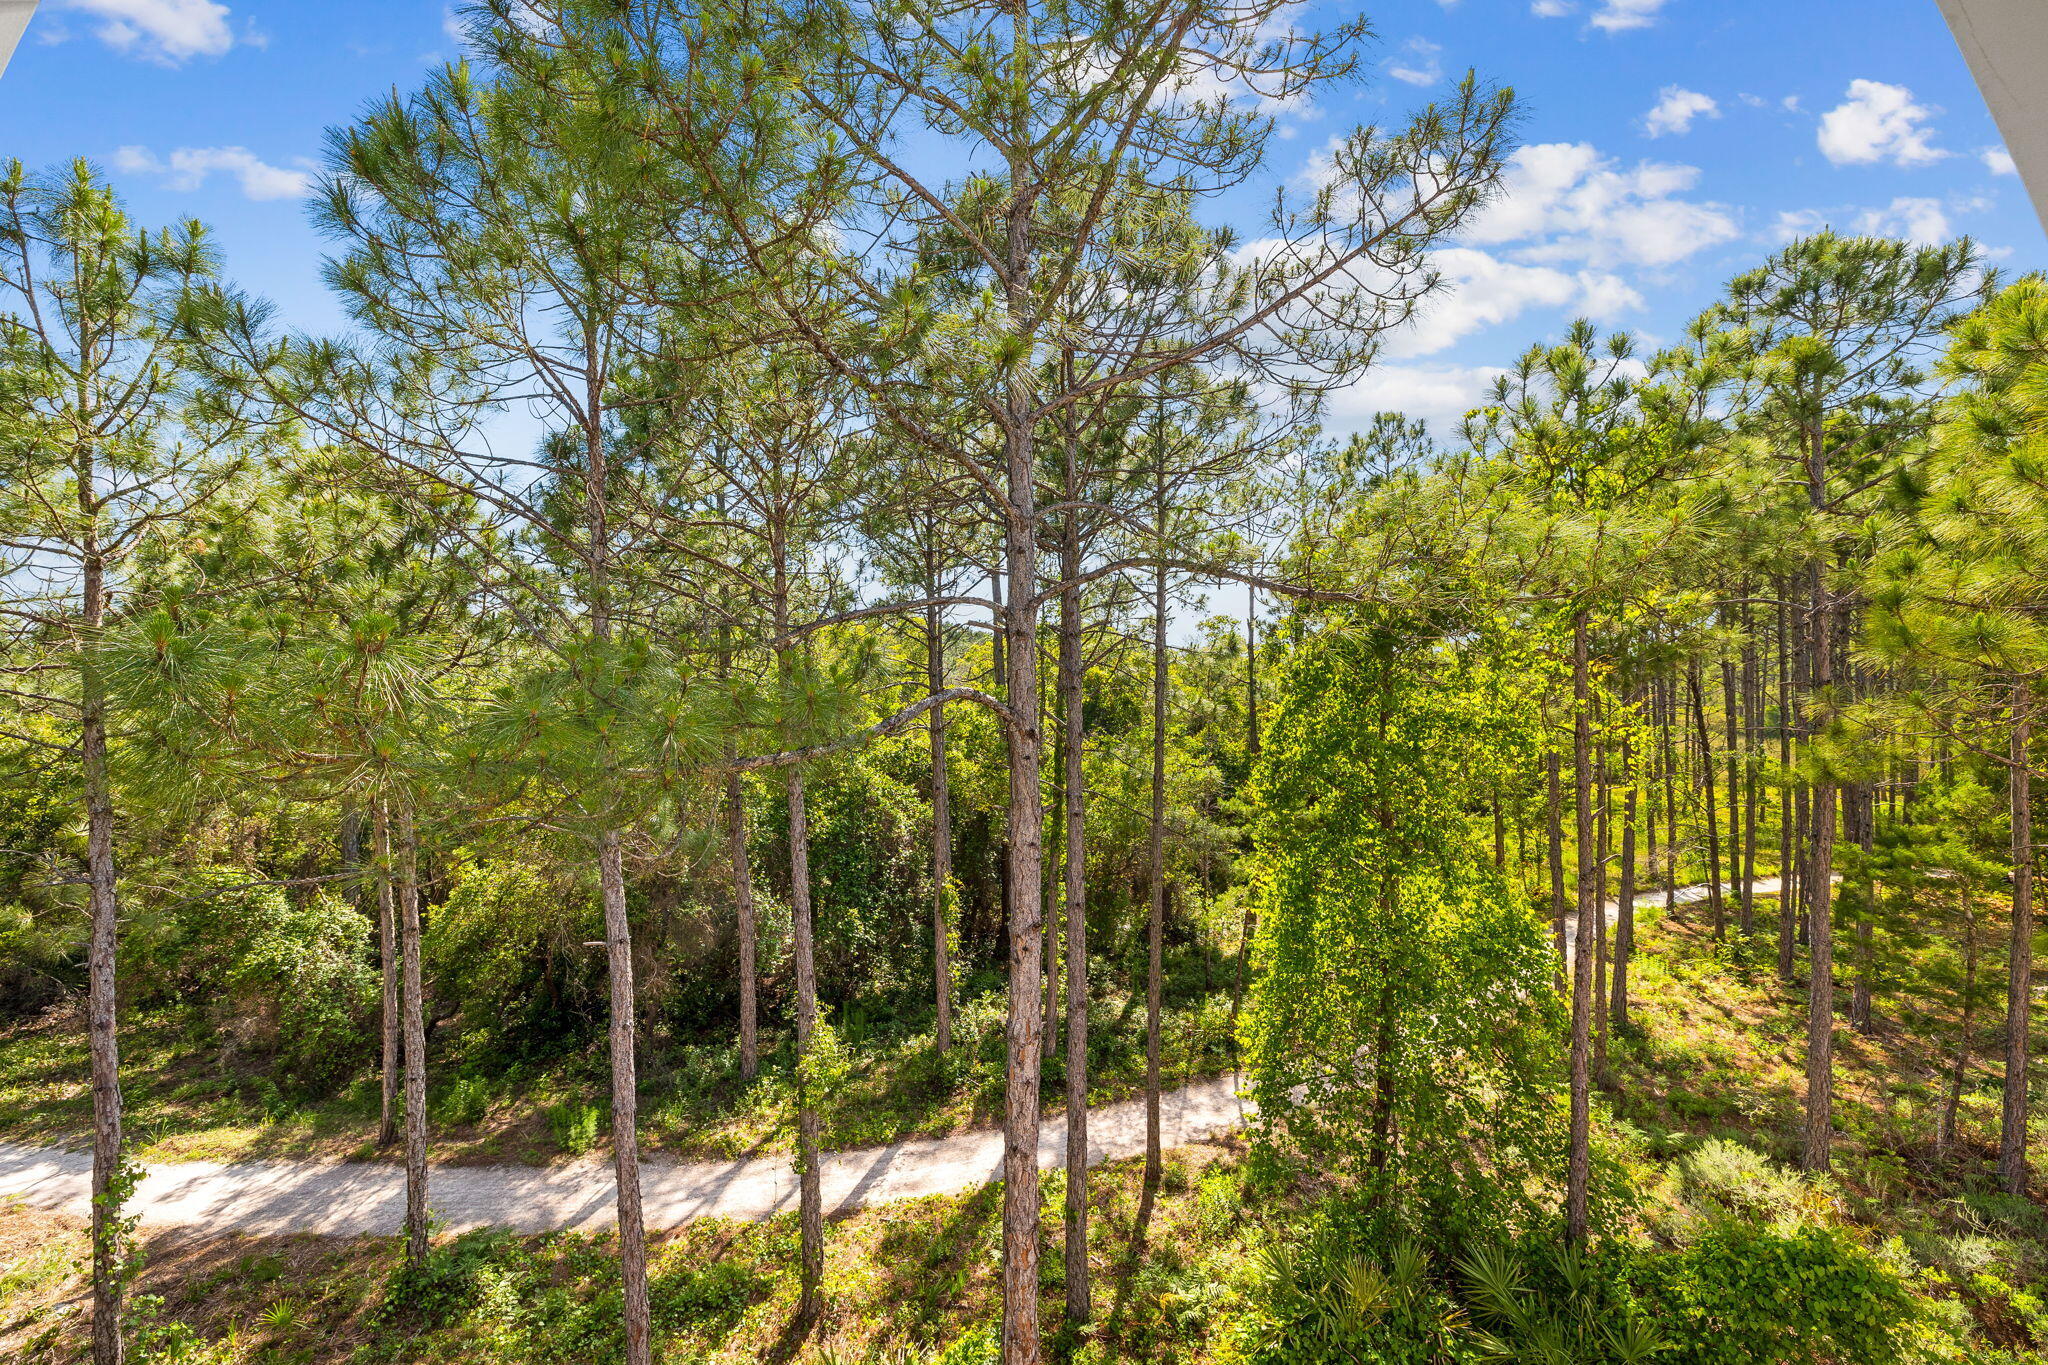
1668,143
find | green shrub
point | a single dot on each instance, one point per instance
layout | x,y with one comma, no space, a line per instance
574,1125
464,1101
1747,1295
289,978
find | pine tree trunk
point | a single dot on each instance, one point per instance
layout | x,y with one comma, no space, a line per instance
414,992
1860,1005
1717,908
2019,990
1026,853
1788,843
810,1191
743,907
1578,1168
109,1234
1554,811
1049,1016
1155,922
1079,1306
1603,799
1820,992
1669,687
1625,912
393,1007
1959,1066
942,830
1738,887
1248,928
611,871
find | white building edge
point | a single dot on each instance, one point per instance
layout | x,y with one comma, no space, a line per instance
2006,44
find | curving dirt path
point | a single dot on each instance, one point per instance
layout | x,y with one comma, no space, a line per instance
356,1198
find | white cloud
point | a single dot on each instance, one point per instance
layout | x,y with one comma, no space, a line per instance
1878,122
1797,223
167,32
1483,290
1922,221
1551,9
1675,110
1418,62
1563,201
1617,15
188,168
1998,161
1440,394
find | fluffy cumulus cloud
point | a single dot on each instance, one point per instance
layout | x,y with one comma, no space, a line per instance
1878,122
1617,15
1675,110
1921,221
1481,289
1439,394
1924,221
1998,161
188,168
1551,9
1419,62
168,32
1564,202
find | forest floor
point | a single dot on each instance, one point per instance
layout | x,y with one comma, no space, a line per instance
1714,1053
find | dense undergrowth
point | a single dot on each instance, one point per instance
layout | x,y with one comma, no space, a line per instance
1712,1248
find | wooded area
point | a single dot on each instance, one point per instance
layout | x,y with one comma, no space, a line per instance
723,655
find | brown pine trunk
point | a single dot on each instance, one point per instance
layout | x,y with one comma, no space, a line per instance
1650,788
1603,797
1026,854
1665,731
611,871
1049,1015
1079,1306
1744,921
1715,905
109,1233
1250,924
810,1192
413,991
1751,736
1860,1003
2012,1125
743,907
1554,813
1625,911
387,951
1959,1065
942,827
1820,992
1156,920
1788,843
1579,1162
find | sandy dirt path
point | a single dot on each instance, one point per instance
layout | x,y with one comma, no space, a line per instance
351,1198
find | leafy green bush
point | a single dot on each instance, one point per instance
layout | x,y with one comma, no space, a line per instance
1749,1295
465,1100
289,978
574,1125
503,952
